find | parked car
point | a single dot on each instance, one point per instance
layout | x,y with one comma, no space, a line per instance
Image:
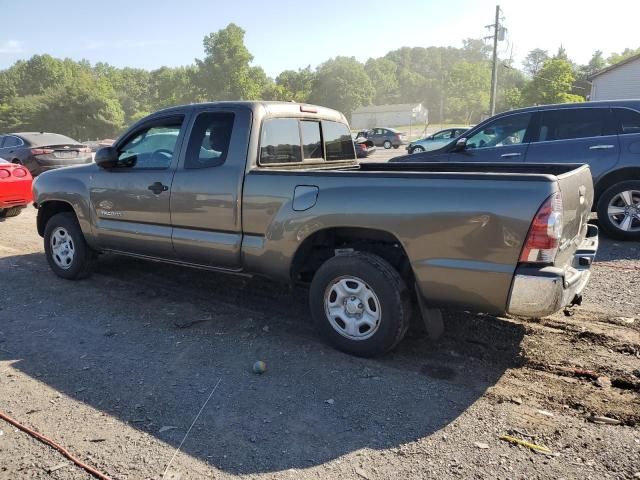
363,147
435,141
274,189
15,188
384,137
96,145
42,151
605,135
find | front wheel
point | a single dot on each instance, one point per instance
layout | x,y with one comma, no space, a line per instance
360,304
66,250
619,210
417,149
387,144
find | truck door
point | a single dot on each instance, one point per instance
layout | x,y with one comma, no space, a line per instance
130,202
207,187
503,140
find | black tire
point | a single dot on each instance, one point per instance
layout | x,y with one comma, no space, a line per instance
396,146
609,227
387,144
390,290
10,212
417,149
83,259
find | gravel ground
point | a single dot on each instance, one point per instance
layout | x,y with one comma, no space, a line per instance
115,368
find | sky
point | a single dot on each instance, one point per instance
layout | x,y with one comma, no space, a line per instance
286,34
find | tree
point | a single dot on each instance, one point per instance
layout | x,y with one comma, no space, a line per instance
383,74
552,84
342,83
225,72
534,61
619,57
468,90
295,85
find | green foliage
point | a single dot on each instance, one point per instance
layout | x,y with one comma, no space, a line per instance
552,84
84,101
342,83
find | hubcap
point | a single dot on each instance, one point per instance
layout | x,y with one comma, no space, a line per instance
352,308
624,210
62,248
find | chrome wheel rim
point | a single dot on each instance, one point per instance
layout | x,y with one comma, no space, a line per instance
352,308
62,248
418,150
387,144
624,211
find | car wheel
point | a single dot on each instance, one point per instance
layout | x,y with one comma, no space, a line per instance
66,250
417,149
360,304
387,144
396,146
619,210
10,212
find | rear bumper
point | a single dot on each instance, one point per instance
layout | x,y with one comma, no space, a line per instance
540,292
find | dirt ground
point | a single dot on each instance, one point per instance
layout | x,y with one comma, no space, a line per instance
115,368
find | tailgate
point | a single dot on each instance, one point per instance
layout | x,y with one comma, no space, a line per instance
576,188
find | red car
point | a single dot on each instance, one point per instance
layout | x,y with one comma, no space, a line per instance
15,188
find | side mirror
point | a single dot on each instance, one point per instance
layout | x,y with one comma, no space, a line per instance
460,145
107,157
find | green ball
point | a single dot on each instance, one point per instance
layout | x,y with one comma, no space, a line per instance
259,367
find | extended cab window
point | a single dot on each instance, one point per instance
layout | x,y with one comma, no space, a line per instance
209,142
151,147
628,120
571,123
337,141
508,130
280,141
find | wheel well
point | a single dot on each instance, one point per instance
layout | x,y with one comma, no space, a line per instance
322,245
629,173
48,210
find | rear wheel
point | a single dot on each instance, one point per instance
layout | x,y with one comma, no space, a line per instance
417,149
396,146
360,304
66,250
619,210
387,144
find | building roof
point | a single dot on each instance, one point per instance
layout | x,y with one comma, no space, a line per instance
615,65
398,107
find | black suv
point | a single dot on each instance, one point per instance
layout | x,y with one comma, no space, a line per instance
605,135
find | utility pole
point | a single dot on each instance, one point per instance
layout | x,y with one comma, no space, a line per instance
498,34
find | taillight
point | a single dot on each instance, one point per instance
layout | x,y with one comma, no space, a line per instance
41,151
4,173
19,172
398,136
545,232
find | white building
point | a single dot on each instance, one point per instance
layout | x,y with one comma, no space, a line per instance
389,116
617,82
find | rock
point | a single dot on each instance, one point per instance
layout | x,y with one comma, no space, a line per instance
166,428
603,382
624,320
253,439
330,401
481,445
545,413
604,420
362,473
265,329
57,467
517,400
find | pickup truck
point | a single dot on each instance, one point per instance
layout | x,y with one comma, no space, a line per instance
274,189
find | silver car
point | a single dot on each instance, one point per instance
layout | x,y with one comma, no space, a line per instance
435,141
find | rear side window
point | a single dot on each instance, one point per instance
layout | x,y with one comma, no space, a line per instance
210,139
628,120
280,141
566,124
338,142
11,141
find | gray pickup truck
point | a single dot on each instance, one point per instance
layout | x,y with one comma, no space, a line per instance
274,189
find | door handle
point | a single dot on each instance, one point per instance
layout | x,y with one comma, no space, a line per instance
158,188
600,147
510,155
